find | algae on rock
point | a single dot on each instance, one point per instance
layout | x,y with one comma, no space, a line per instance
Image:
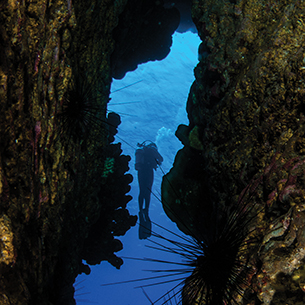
45,47
246,112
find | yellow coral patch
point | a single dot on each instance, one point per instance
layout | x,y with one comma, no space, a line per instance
6,241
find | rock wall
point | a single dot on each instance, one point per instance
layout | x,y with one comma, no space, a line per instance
56,157
246,134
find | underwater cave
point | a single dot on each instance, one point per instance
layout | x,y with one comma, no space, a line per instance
149,110
236,185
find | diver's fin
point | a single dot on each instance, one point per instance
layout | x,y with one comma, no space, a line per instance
144,227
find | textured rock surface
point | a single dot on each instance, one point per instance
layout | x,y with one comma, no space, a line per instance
144,33
52,178
246,113
62,182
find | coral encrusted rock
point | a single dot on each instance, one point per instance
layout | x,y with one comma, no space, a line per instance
56,156
246,133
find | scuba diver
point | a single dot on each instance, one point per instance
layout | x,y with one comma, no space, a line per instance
147,160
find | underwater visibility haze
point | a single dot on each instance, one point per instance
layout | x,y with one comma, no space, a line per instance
149,111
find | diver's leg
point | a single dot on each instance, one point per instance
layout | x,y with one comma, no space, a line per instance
146,227
141,190
141,201
149,183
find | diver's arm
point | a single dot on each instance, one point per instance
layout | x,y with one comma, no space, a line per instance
159,158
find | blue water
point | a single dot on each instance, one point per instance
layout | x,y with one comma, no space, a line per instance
151,109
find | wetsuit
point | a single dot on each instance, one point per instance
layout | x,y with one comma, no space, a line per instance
147,159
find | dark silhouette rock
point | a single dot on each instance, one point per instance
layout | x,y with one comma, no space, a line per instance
144,33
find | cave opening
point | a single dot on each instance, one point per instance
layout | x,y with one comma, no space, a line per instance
152,103
246,135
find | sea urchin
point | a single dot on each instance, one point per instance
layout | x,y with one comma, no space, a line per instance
218,254
81,111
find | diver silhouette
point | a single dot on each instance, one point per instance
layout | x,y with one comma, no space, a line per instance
147,160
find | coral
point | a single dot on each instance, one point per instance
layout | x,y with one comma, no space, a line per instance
108,167
246,116
7,255
114,218
53,163
194,138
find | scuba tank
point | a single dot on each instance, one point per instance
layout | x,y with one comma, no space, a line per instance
140,153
